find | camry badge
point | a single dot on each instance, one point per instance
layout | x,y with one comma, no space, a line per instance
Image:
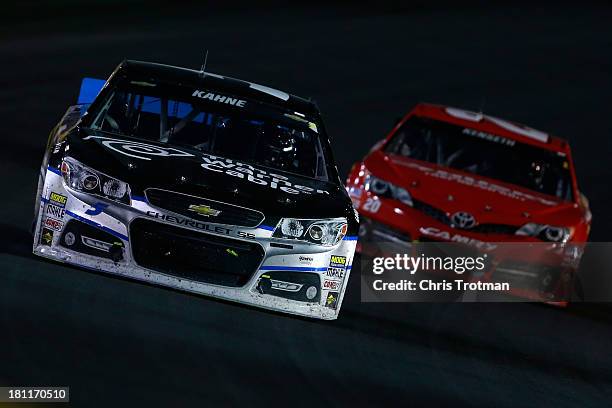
204,210
463,220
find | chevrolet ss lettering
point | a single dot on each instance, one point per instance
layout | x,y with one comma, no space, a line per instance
447,175
235,197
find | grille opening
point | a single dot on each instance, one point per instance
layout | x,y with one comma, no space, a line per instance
194,255
203,209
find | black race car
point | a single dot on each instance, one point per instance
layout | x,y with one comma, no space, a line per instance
200,182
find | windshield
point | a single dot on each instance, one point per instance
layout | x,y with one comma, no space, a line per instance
219,124
484,154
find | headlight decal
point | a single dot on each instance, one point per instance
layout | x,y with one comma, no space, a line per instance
385,189
325,232
82,178
545,232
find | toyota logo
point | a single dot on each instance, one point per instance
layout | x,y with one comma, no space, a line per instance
463,220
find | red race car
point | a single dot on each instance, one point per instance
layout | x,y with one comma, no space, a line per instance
450,175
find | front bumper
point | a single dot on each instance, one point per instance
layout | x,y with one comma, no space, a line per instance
535,270
238,264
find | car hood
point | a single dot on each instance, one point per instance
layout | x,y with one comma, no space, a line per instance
154,165
488,200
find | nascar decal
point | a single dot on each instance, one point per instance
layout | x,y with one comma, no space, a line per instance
219,98
255,175
471,181
46,237
331,300
138,150
337,268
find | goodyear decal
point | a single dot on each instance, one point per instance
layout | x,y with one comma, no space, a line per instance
46,237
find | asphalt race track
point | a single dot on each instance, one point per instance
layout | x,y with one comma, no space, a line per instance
118,341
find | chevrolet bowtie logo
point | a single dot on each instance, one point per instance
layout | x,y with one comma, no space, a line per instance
204,210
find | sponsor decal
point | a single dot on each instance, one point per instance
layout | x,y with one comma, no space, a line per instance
52,223
138,150
219,98
254,175
335,273
331,284
186,222
447,236
474,182
204,210
58,199
337,267
331,300
337,261
509,126
46,237
489,137
306,259
55,211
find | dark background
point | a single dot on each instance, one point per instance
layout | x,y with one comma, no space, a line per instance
114,340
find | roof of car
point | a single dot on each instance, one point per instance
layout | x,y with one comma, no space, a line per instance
491,124
217,82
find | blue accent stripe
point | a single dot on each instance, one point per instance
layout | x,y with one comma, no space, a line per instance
292,268
139,198
266,227
350,238
95,224
297,268
54,170
92,223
